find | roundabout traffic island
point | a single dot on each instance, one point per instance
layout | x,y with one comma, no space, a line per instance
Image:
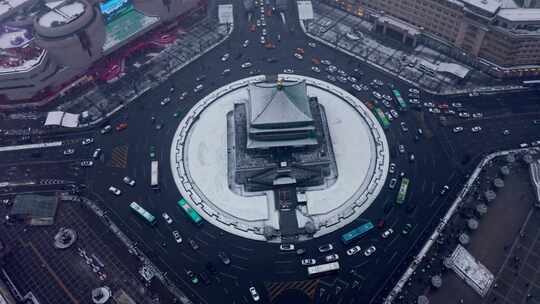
279,158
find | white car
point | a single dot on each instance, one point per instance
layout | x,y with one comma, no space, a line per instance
263,40
115,190
392,168
457,129
177,236
352,36
456,104
477,115
394,113
298,56
288,71
128,181
392,183
404,127
352,79
264,32
326,62
353,250
326,248
198,88
429,104
165,101
523,145
401,148
376,94
308,262
246,65
183,95
476,129
87,163
331,68
106,129
370,250
87,141
254,294
387,233
357,87
315,69
312,44
414,91
286,247
69,151
506,132
167,218
331,257
245,44
225,57
464,115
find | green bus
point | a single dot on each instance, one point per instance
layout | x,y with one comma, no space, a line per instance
402,105
191,213
145,215
402,193
356,233
382,118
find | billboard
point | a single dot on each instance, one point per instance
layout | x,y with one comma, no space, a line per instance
113,9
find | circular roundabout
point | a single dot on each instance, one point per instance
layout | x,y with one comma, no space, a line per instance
205,158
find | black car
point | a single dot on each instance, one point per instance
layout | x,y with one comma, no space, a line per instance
193,244
211,268
204,278
200,78
224,257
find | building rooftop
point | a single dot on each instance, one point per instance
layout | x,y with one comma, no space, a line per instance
62,14
274,104
7,5
472,271
520,14
489,6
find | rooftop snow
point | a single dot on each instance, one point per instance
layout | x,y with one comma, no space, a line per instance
520,14
7,5
490,6
13,39
472,271
64,14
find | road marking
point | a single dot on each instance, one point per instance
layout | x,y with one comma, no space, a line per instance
240,257
309,287
238,267
284,262
230,276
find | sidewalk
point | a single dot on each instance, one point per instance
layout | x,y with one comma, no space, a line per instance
106,99
331,25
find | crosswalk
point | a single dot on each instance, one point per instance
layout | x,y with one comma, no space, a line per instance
309,287
119,157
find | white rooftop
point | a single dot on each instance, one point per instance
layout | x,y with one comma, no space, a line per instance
490,6
62,14
520,14
7,5
472,271
13,39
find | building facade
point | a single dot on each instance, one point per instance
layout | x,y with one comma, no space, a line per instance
501,40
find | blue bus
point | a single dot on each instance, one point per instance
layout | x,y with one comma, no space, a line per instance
356,233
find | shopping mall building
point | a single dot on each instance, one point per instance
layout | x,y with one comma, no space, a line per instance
48,46
499,37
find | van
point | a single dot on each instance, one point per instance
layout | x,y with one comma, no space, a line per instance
97,153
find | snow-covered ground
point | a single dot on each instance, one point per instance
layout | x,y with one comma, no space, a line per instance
199,163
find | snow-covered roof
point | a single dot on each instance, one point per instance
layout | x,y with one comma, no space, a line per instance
279,104
14,39
490,6
7,5
413,31
453,68
534,170
54,118
62,14
70,120
472,271
59,118
23,65
520,14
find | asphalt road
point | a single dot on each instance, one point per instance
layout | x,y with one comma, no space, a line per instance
442,158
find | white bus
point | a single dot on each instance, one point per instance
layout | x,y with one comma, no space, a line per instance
154,182
323,269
